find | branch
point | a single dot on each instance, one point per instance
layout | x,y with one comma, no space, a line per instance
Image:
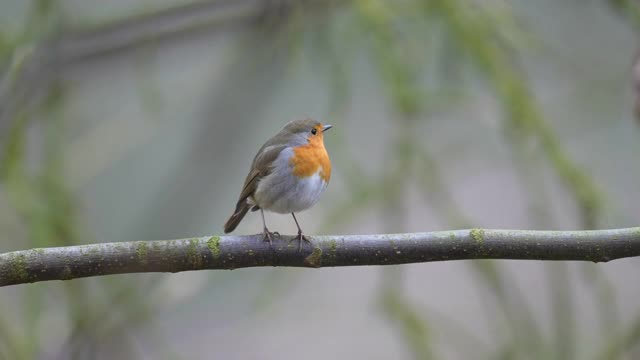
232,252
42,62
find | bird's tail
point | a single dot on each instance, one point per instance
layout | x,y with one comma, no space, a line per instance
234,220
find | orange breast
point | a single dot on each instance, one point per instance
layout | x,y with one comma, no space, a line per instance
307,159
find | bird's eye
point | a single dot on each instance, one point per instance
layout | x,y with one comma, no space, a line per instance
314,131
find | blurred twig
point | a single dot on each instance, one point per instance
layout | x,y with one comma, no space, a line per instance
627,8
523,331
414,330
469,27
38,62
562,307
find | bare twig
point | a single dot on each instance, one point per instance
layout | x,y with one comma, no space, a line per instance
43,61
232,252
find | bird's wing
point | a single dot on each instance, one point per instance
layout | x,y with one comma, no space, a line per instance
260,168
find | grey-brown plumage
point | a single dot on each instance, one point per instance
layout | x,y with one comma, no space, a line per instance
293,134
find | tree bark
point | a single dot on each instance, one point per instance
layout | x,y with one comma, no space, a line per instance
232,252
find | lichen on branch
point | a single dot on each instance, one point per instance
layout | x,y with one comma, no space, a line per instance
232,252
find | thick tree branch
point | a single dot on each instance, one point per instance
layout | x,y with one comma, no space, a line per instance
232,252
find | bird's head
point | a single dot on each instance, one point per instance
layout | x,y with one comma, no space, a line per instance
306,131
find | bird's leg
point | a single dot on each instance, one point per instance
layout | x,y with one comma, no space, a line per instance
300,237
268,235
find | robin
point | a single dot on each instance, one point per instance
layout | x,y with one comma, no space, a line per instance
287,175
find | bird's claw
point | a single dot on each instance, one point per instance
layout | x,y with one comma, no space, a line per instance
268,235
300,239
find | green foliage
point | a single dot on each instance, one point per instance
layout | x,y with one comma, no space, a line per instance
420,52
41,200
412,327
489,39
627,8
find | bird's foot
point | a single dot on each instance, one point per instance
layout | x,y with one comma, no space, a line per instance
300,239
268,235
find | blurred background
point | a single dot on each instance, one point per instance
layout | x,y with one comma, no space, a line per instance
136,120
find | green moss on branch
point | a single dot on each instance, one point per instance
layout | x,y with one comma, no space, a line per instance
65,263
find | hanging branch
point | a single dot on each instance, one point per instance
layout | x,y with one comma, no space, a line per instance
232,252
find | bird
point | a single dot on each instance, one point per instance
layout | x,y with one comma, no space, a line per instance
288,175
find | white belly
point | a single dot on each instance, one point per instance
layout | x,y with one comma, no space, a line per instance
285,193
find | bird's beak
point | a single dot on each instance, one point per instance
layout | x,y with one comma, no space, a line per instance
326,127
